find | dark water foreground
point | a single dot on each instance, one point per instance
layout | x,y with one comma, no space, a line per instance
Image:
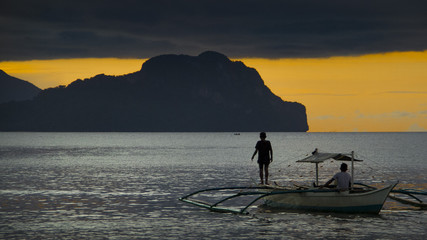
126,185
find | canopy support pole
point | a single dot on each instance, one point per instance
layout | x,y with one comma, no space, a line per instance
317,174
352,169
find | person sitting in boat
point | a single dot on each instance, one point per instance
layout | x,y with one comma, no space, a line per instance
343,179
265,156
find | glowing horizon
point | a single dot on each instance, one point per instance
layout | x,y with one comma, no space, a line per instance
368,93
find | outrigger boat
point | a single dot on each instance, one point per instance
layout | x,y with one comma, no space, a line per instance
360,198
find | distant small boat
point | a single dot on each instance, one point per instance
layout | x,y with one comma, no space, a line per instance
236,134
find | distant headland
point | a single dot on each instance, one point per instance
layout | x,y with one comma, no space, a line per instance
171,93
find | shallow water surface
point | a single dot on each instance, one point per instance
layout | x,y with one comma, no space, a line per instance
127,185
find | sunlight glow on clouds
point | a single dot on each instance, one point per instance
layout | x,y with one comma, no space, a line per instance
416,128
389,89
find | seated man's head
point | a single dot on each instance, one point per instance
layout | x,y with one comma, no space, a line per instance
343,167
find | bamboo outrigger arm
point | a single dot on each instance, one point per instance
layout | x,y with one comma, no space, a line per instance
410,192
258,195
214,206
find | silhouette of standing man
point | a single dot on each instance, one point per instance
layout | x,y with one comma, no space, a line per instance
265,156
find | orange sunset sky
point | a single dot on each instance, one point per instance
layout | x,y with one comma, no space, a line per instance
367,93
357,66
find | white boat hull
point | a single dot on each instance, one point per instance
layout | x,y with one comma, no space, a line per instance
330,201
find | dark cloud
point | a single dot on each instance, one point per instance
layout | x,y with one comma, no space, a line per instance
244,28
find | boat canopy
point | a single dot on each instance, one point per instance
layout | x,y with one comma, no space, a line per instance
318,157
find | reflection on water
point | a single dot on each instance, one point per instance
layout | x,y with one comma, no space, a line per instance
126,185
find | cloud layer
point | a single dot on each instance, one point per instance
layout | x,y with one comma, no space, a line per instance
239,28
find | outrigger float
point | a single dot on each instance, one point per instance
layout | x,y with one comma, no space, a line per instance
360,198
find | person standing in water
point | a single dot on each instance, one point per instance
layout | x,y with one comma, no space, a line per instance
265,156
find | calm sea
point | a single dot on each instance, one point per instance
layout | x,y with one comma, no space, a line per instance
127,185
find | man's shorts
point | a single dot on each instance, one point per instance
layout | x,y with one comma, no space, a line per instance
263,163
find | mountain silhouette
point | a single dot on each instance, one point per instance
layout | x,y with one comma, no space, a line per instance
14,89
170,93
